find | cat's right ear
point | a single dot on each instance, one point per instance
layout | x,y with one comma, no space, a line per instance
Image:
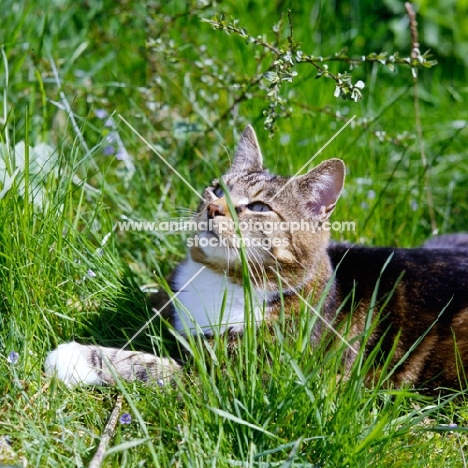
248,157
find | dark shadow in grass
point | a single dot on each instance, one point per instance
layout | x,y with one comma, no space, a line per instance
124,316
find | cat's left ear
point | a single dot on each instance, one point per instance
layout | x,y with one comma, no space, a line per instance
321,187
248,157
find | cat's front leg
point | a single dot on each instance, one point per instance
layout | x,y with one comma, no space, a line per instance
77,364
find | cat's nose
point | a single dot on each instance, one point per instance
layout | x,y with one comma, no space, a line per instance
215,210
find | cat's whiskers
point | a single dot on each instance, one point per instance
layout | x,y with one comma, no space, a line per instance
177,219
184,211
255,260
233,247
278,265
164,234
250,265
253,277
229,256
264,249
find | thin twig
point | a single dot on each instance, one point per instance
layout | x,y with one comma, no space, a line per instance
98,458
258,41
364,125
415,53
414,30
382,58
238,99
291,30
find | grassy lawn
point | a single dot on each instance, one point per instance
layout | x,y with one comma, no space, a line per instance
76,80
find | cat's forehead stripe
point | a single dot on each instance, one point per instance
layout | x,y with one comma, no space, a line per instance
252,178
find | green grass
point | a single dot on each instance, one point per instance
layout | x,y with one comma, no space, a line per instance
278,403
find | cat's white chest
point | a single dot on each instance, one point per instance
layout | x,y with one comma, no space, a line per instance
203,296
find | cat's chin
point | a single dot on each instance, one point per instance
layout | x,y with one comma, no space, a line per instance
209,249
208,235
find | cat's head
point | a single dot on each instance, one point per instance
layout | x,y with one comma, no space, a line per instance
279,218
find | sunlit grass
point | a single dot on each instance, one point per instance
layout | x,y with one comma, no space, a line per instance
67,272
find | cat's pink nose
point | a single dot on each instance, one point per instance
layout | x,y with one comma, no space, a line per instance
215,210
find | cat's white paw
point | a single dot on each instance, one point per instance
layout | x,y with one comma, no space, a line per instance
69,362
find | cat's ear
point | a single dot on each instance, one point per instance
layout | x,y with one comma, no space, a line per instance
248,157
321,187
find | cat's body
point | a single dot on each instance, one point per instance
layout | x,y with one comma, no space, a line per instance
425,290
428,296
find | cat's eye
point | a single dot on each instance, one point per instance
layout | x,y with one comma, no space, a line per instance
258,207
218,191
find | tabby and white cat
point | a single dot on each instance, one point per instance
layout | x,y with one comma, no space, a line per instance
424,290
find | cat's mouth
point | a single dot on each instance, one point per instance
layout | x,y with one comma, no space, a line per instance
216,240
216,231
212,248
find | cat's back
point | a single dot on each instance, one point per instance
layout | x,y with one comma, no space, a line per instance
435,277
